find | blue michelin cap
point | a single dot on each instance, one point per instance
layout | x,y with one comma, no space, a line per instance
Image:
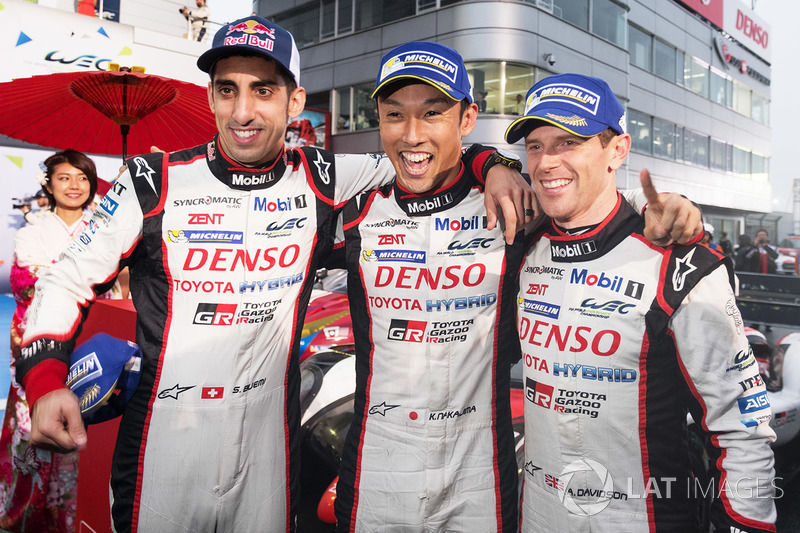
581,105
103,374
253,35
432,63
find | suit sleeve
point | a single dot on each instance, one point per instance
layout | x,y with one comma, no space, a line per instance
731,403
65,291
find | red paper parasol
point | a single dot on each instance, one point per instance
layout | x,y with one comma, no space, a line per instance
72,110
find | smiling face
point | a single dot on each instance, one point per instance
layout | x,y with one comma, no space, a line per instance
574,177
252,104
69,186
421,130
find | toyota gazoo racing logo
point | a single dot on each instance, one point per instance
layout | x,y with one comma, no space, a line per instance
587,488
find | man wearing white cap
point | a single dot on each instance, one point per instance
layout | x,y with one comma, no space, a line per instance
620,339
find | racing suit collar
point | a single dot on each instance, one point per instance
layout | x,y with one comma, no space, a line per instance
235,176
436,201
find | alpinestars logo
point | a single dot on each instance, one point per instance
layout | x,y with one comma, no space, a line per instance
574,250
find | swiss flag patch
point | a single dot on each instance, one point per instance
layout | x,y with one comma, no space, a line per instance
212,393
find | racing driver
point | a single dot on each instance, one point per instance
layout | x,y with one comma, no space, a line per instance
432,293
222,241
619,340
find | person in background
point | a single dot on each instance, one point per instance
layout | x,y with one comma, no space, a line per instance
743,246
724,245
708,236
37,486
199,18
761,256
480,100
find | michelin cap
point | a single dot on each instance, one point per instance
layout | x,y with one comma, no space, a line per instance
432,63
103,374
581,105
253,35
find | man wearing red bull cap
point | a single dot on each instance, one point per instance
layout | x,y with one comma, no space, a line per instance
620,339
222,241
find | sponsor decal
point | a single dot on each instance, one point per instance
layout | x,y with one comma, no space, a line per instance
565,93
251,27
231,259
421,59
634,290
594,373
601,342
582,498
282,229
468,223
578,402
214,314
381,408
572,250
144,171
553,482
252,40
205,218
389,240
417,206
227,201
462,303
449,331
784,417
118,188
538,393
219,287
410,277
87,367
531,468
553,272
396,256
257,313
583,277
470,247
537,289
212,393
683,267
407,330
539,308
250,386
400,304
322,168
173,391
594,309
108,205
271,206
733,311
189,235
754,402
393,222
271,284
743,359
751,382
536,363
445,415
335,333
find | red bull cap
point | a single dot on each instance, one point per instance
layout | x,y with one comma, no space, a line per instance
253,35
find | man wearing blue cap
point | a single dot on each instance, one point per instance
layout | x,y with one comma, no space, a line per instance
222,241
620,339
432,292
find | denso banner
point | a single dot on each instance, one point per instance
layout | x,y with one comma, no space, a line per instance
748,28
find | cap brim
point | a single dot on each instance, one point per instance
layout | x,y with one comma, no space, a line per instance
454,96
515,129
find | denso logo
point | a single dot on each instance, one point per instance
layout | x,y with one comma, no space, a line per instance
209,200
387,240
474,243
445,224
205,218
603,342
408,277
576,249
229,259
214,314
263,204
407,330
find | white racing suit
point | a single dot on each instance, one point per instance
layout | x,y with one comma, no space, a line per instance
222,261
619,339
431,446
